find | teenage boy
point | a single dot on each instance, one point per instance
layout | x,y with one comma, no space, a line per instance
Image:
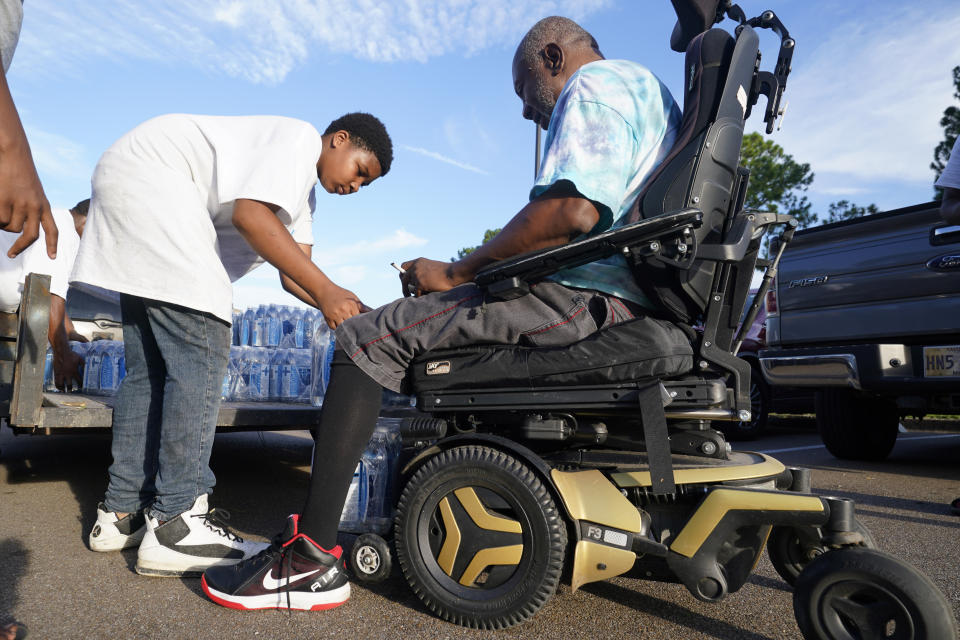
609,124
182,206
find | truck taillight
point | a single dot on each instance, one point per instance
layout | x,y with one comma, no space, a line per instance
771,302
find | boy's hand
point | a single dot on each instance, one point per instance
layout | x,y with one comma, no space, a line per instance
338,304
427,276
67,369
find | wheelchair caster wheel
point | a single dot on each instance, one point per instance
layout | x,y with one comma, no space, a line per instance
370,559
864,593
793,548
479,537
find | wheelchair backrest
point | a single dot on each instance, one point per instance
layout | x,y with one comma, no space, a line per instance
701,169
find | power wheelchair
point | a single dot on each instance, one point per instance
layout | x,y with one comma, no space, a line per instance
598,458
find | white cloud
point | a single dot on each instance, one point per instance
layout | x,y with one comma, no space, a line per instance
263,41
841,191
443,158
866,104
340,255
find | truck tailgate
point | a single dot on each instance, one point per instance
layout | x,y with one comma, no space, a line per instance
894,275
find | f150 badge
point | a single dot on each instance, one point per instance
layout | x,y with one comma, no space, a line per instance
946,262
808,282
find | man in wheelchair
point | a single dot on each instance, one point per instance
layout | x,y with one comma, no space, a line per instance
561,358
609,125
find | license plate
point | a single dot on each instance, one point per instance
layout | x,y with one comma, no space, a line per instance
941,361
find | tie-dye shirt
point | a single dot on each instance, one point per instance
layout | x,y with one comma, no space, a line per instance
613,124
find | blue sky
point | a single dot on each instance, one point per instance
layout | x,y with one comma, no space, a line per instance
870,81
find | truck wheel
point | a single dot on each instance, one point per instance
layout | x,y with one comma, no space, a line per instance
856,427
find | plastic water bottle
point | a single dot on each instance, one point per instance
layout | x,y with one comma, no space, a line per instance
236,321
260,375
109,368
309,321
275,360
247,320
240,379
258,328
324,342
91,370
274,326
48,382
303,369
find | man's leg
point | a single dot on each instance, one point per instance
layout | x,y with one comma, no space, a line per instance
183,536
135,435
376,348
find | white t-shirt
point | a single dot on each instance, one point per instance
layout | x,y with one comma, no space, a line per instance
11,17
34,259
160,223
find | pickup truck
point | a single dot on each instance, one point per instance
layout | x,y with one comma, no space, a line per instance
26,408
867,313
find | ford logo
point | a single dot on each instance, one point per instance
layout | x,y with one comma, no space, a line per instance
946,262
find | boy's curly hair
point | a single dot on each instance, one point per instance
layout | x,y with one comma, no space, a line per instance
367,132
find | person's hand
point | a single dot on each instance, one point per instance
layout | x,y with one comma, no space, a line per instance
422,276
338,304
76,337
67,369
23,205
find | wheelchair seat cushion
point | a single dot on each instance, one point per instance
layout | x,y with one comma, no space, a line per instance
641,348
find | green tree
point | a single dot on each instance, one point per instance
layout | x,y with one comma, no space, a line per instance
487,236
778,183
845,210
951,129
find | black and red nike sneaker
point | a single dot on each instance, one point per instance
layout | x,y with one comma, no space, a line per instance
294,572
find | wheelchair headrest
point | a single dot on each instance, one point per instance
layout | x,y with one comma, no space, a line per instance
693,18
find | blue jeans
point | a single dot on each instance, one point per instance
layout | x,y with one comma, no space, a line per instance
165,414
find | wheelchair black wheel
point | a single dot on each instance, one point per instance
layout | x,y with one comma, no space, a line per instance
479,538
863,593
793,548
370,559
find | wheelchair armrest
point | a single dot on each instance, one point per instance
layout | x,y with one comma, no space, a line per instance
509,278
744,230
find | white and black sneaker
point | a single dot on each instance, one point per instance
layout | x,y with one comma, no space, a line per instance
192,542
110,533
292,573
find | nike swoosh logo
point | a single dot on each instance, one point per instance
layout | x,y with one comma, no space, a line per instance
272,584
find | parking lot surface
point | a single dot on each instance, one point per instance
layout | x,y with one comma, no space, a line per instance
50,487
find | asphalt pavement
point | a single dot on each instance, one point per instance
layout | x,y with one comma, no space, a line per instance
50,487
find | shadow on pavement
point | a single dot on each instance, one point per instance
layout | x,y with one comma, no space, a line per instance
709,627
15,560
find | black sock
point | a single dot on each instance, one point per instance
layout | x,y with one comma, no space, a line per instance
347,421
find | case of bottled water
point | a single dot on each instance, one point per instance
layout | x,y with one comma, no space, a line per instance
368,507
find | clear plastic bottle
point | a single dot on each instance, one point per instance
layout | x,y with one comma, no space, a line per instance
276,359
109,368
303,369
48,382
274,327
324,342
258,328
240,387
236,321
247,321
91,370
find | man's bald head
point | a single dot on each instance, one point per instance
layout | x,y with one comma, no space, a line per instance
559,30
552,51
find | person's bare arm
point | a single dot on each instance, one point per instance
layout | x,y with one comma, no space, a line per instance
547,221
292,287
23,205
257,222
66,364
950,206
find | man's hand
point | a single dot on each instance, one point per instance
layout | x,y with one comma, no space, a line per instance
23,206
422,276
338,304
67,369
